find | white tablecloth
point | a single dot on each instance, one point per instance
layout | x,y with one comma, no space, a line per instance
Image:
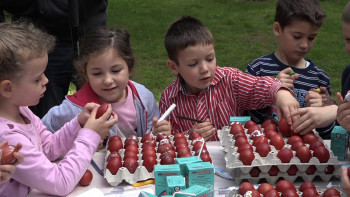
216,152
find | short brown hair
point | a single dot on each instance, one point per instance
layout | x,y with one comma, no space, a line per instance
20,43
346,14
184,32
306,10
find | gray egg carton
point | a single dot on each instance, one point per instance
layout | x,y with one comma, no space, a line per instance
233,193
141,173
240,171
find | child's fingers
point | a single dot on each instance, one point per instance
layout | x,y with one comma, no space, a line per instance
19,158
339,98
344,176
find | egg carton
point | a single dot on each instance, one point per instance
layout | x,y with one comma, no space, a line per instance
232,161
141,173
123,174
240,177
227,139
240,171
234,192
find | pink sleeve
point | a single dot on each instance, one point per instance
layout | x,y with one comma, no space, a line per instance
38,172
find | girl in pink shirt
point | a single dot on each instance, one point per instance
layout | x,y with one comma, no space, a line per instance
23,60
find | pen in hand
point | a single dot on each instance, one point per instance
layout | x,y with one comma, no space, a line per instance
165,115
191,119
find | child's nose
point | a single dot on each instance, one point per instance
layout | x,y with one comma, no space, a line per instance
45,80
108,79
304,44
204,66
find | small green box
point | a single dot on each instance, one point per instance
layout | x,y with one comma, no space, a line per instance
175,184
160,174
241,119
200,173
198,190
339,142
146,194
182,161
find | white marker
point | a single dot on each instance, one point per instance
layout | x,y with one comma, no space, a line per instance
165,115
347,97
167,112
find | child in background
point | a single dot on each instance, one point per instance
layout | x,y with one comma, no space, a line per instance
296,27
345,80
343,113
343,118
24,55
6,171
209,93
104,66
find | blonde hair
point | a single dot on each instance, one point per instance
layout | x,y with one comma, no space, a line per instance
20,43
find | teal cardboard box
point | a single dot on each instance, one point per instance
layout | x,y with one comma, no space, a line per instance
160,174
339,142
202,174
195,190
184,160
241,119
175,184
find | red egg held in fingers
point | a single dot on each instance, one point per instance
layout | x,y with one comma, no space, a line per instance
7,155
101,110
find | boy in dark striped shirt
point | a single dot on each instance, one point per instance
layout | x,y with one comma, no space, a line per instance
296,26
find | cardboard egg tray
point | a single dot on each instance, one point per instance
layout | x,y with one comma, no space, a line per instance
240,171
234,192
141,172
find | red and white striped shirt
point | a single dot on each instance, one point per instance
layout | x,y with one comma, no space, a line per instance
230,93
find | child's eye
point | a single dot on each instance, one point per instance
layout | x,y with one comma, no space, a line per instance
311,38
192,65
38,80
116,71
297,37
96,74
210,59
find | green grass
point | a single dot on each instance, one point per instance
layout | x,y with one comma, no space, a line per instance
242,31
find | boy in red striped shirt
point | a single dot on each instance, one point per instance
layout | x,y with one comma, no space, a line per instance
209,93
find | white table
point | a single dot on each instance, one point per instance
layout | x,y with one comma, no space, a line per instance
216,152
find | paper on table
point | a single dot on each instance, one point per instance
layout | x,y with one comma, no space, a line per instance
130,193
92,192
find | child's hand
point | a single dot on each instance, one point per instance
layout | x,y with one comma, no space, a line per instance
85,114
6,171
206,129
286,103
103,124
345,181
286,78
161,127
313,117
313,99
343,112
326,98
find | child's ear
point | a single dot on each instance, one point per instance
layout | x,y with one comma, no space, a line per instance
6,89
277,29
172,66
